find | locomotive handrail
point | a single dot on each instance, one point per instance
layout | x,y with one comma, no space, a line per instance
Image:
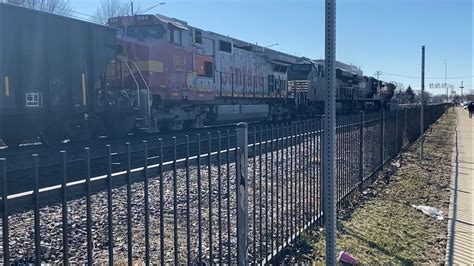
141,75
147,112
134,79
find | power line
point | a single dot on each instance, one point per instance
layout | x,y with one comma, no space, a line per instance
71,11
414,77
68,12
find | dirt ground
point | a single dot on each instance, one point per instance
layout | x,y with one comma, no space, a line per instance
381,226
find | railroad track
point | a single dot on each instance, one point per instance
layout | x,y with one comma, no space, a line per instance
202,141
36,146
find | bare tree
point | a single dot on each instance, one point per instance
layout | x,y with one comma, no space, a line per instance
427,96
110,8
60,7
410,94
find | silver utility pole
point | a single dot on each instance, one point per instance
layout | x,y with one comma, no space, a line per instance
461,87
378,73
329,133
422,112
446,79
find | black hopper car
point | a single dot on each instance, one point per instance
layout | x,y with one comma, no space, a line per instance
50,67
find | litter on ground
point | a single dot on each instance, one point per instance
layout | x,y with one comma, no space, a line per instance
345,257
430,211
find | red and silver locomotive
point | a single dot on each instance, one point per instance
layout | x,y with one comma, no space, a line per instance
191,76
186,76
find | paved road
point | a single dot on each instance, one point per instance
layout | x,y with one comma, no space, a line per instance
461,210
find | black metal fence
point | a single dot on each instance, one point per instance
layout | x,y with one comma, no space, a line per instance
247,194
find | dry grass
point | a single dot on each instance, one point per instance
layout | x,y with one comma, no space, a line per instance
384,228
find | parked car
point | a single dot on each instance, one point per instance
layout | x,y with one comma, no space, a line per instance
465,104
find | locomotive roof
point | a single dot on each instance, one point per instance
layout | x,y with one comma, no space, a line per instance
275,56
272,55
343,66
175,22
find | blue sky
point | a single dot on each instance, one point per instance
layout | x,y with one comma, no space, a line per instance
377,35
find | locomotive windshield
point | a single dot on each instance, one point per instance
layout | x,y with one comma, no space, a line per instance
145,32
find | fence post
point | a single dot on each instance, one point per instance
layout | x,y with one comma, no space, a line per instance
242,193
396,133
361,151
36,211
382,132
5,239
412,124
422,115
64,223
406,123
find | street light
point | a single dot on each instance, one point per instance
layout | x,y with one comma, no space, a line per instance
273,44
141,11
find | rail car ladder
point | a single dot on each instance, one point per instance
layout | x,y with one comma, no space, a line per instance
143,100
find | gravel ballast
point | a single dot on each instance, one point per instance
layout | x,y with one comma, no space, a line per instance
299,185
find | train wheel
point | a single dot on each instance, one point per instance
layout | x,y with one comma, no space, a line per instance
117,128
54,135
188,124
13,141
198,122
87,128
174,124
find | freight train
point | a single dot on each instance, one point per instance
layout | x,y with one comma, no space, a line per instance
68,79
